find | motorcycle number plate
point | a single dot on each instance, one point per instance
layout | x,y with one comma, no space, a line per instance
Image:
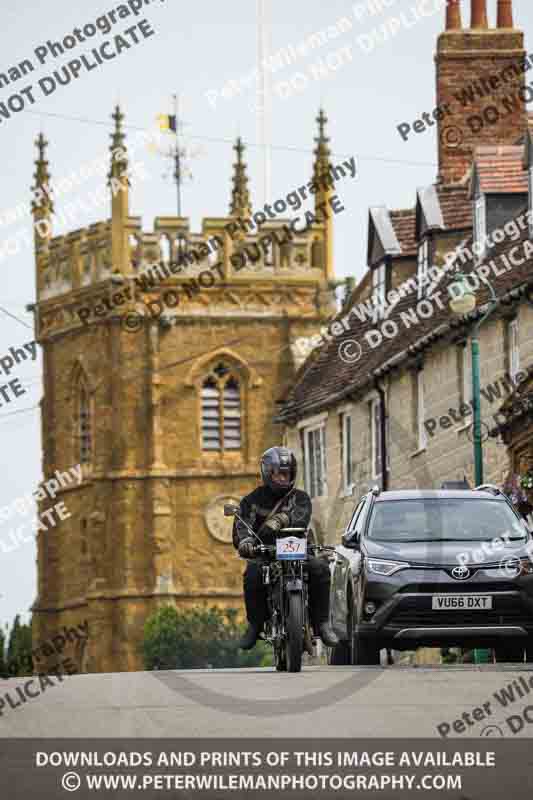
291,548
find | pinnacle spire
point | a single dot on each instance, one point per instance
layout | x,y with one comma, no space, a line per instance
322,151
478,18
41,189
453,16
505,14
324,180
119,155
241,205
322,139
119,184
118,134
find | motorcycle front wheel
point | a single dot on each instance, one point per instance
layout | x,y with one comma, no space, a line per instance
294,632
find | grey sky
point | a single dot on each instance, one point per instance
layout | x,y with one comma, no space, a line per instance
199,47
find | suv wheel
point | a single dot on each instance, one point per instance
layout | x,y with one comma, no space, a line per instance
365,652
341,654
512,653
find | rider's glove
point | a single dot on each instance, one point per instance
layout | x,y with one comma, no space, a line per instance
277,522
247,548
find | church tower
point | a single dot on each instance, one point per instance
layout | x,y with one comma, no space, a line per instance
167,413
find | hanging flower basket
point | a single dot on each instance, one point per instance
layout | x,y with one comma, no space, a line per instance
517,488
526,481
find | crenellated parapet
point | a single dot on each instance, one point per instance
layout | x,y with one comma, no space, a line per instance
274,251
80,259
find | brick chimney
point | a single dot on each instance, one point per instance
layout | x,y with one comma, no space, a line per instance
453,16
479,73
505,13
479,14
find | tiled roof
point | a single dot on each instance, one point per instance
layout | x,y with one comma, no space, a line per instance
403,222
332,377
501,169
456,206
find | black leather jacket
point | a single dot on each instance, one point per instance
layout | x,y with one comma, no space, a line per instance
256,506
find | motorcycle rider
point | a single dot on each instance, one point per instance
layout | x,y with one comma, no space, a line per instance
275,505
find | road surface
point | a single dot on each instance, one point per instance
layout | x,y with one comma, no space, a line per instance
320,702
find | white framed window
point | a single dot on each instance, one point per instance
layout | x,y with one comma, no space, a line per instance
379,288
346,453
514,349
420,410
480,226
315,461
423,266
375,438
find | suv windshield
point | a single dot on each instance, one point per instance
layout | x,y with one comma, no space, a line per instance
444,519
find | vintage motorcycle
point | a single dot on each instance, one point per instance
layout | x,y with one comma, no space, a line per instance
287,628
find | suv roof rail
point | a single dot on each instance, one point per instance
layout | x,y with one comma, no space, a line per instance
455,485
375,490
488,487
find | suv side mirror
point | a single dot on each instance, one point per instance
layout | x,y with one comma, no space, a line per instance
230,510
350,540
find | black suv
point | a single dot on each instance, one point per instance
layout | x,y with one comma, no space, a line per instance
433,568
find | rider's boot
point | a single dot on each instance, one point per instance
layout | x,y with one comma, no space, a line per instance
320,613
250,637
256,604
327,634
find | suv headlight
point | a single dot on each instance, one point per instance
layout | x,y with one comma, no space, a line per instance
386,568
516,567
526,566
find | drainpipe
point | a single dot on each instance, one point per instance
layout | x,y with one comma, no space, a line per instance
383,437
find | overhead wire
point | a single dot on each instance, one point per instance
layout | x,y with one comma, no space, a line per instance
290,148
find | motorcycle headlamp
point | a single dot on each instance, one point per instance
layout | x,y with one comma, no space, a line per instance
385,568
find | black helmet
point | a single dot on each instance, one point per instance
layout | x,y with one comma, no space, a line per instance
280,461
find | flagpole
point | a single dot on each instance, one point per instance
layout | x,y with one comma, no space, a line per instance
177,172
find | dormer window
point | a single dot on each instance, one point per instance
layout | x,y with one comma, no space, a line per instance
480,227
379,287
423,267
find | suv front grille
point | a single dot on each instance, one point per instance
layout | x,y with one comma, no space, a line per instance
459,587
434,619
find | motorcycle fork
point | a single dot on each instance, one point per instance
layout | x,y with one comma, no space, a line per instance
274,606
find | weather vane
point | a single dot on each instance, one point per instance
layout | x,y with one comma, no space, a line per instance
175,152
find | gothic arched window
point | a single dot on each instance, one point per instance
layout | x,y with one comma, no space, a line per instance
317,254
84,432
221,410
